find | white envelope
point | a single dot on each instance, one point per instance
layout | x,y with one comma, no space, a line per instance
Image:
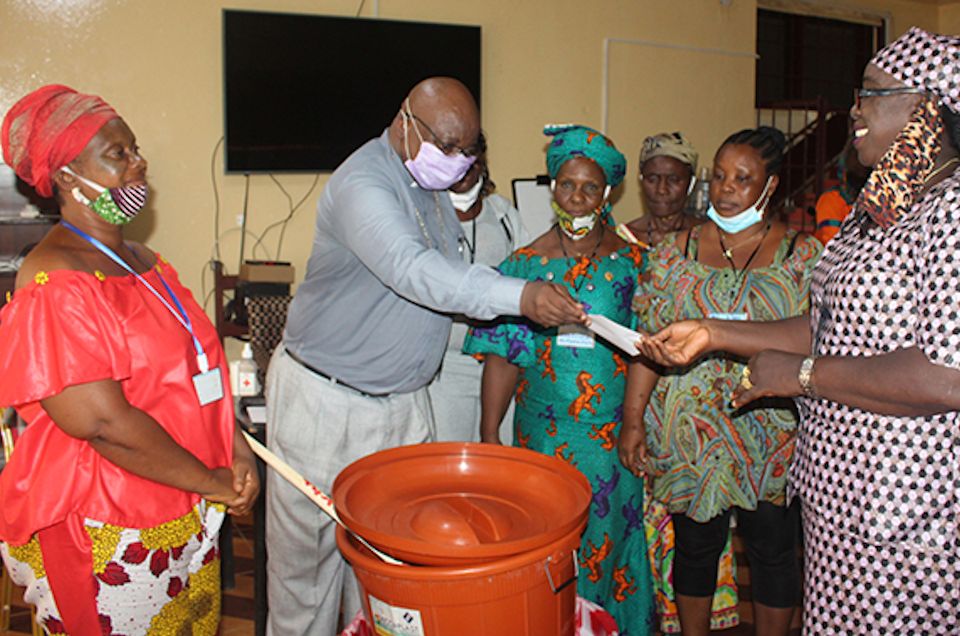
615,333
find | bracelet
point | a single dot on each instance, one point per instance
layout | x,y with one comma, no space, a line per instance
805,377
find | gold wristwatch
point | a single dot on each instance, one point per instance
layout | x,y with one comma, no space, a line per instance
805,377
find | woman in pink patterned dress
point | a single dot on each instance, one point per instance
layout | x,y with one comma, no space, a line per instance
876,364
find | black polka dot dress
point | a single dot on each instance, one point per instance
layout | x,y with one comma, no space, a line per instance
880,493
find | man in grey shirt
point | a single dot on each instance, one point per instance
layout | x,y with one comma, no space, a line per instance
366,333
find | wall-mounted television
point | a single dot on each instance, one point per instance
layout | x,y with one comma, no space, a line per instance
301,92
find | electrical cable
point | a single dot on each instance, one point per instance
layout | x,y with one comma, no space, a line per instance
293,209
203,284
252,236
243,224
216,198
206,295
206,299
360,8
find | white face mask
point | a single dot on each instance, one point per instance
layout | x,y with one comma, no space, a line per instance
739,222
463,201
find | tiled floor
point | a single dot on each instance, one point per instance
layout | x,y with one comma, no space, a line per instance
238,602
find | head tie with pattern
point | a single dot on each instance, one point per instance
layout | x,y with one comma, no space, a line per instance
47,129
927,61
673,145
571,141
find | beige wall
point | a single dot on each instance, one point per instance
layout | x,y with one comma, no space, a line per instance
949,21
687,66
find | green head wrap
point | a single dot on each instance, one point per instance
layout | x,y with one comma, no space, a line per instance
571,141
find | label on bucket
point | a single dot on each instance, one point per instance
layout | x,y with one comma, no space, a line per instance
394,621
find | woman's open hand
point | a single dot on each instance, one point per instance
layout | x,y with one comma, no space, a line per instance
678,344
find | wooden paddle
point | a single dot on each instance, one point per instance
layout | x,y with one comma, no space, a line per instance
316,495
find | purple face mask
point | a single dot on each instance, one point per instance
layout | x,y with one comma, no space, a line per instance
432,169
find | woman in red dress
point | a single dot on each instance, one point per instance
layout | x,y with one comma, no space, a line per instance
113,498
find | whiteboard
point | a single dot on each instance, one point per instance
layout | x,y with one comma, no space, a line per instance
532,198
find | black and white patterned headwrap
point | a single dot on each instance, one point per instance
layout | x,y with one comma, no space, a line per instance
925,60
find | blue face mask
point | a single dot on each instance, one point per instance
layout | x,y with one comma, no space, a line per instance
738,223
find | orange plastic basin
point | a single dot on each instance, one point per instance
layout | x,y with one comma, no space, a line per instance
455,503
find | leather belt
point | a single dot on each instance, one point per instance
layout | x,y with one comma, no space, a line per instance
332,379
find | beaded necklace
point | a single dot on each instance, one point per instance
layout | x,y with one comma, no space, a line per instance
423,226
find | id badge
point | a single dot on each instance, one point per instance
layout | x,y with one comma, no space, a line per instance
722,315
575,337
209,386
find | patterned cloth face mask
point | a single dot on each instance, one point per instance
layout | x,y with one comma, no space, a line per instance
904,168
117,206
577,227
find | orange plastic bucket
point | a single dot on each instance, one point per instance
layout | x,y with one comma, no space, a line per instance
460,503
489,535
531,594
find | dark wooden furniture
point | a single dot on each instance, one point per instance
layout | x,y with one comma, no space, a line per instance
17,236
223,284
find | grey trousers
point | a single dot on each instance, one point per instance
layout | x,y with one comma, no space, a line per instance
319,428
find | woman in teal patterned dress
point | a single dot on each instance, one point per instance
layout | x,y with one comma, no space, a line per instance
706,458
569,386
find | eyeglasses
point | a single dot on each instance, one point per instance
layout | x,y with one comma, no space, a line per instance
445,148
860,93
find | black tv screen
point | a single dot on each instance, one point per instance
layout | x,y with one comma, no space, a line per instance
302,92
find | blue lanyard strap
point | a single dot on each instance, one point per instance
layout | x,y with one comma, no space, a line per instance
179,313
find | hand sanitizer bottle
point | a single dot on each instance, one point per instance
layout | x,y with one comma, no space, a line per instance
699,199
243,374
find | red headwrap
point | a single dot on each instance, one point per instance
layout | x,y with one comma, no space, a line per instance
47,129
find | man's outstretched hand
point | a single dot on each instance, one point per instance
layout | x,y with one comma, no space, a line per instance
550,305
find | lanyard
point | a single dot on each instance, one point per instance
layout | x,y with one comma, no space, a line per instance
180,314
471,247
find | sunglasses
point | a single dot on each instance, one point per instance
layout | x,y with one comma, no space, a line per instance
860,93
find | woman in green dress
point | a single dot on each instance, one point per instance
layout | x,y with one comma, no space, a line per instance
708,459
569,385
